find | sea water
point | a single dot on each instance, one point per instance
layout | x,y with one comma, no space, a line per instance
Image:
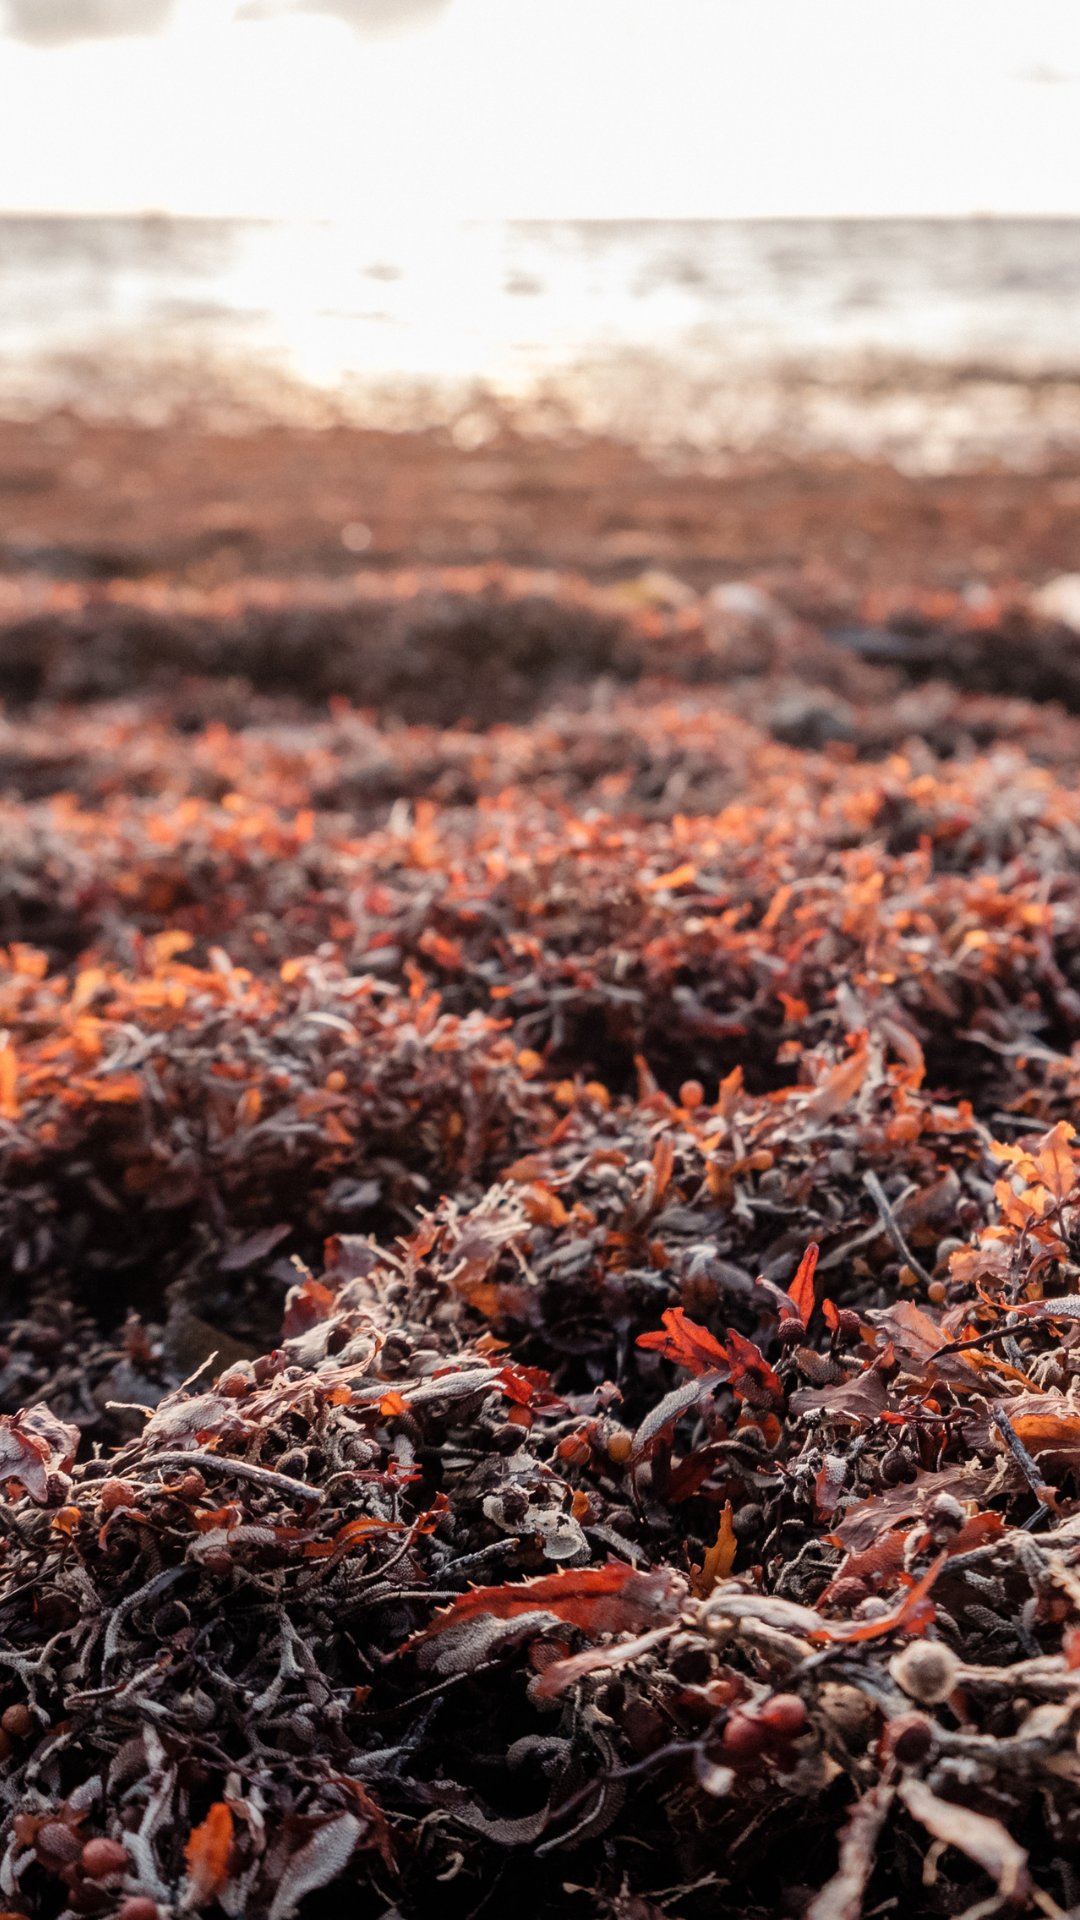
920,339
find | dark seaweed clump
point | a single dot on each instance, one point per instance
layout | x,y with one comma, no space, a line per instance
540,1246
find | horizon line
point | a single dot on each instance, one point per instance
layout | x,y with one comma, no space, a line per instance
987,215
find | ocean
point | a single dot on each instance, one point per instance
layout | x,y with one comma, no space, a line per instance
925,341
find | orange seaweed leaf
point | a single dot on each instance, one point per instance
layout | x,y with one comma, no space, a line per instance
663,1165
841,1084
9,1071
880,1561
801,1290
1056,1161
719,1558
207,1852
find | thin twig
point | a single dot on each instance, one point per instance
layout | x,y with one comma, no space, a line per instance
1002,1332
889,1221
243,1470
1024,1461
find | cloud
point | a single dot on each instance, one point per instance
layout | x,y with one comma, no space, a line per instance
53,23
1047,76
367,16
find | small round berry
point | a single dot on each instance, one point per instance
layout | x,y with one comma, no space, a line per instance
117,1493
848,1592
85,1896
873,1607
747,1520
898,1466
100,1858
56,1845
784,1715
691,1094
909,1737
17,1720
743,1737
692,1665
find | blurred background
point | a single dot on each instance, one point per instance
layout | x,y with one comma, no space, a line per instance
704,221
720,235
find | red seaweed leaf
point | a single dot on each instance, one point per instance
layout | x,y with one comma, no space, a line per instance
614,1598
751,1375
880,1562
914,1612
686,1343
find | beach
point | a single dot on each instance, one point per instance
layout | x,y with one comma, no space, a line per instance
539,1052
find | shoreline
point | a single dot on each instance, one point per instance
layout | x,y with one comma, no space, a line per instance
185,502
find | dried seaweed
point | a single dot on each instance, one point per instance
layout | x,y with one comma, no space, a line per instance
540,1332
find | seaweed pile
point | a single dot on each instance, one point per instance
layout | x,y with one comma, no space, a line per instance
541,1276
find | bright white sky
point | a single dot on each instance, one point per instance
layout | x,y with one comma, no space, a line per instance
541,107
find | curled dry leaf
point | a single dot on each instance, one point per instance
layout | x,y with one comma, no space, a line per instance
983,1839
610,1599
34,1448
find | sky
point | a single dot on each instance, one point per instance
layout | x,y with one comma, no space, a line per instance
387,112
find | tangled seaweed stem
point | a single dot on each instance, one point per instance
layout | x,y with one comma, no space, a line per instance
239,1469
625,1166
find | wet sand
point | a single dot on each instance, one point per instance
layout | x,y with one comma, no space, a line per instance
88,501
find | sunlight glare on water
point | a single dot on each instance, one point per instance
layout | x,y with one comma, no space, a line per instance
708,333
